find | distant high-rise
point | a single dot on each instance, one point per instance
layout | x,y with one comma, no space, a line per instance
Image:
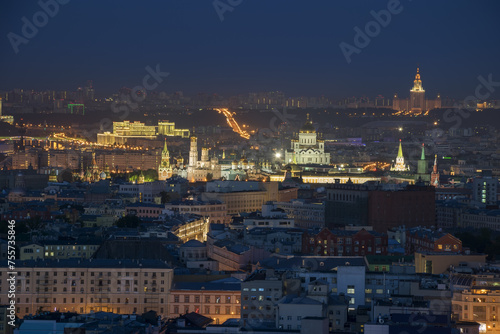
485,189
416,104
417,95
89,91
7,118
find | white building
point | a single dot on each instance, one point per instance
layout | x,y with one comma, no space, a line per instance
308,149
271,217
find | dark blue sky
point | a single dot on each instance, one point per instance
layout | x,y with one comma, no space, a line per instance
261,45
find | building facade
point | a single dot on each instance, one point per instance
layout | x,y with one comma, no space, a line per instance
307,149
82,286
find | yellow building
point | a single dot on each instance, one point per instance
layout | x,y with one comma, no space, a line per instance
219,300
439,263
122,131
239,198
31,252
70,249
195,228
215,211
82,286
480,303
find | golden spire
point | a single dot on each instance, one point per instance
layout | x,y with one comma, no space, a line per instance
417,83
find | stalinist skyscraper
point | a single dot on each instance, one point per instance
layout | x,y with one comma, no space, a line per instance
416,104
417,95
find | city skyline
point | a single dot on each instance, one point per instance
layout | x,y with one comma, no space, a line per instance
253,48
237,166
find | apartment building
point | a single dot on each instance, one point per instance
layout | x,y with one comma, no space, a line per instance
219,300
82,286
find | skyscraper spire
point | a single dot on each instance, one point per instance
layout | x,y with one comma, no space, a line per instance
422,157
417,83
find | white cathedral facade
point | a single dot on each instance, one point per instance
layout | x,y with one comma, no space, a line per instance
307,149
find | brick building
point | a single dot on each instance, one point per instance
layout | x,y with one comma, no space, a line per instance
344,243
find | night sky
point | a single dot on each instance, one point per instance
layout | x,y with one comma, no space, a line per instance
261,45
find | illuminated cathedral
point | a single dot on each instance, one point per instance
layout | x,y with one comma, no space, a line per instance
307,149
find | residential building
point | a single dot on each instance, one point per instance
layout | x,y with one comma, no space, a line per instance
219,300
82,286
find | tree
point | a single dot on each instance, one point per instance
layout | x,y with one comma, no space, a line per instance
167,197
131,221
67,176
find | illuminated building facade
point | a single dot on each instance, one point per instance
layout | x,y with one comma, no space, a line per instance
215,211
480,303
416,104
122,131
400,165
307,149
167,128
83,286
206,168
5,118
218,300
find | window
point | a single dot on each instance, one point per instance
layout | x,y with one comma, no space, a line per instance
350,289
